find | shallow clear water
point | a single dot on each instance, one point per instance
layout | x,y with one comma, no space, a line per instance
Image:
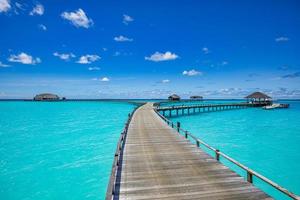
267,141
64,150
58,150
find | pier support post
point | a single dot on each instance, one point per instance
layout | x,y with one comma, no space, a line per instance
217,155
249,177
186,134
178,127
198,143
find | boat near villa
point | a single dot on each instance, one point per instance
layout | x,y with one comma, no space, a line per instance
276,105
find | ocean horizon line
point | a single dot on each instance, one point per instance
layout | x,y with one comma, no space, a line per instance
126,99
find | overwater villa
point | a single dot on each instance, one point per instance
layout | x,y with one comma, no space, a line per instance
259,99
196,97
46,97
174,97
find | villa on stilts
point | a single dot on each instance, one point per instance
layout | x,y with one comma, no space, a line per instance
259,99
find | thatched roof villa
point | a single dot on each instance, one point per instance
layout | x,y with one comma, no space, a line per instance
259,98
174,97
46,97
195,97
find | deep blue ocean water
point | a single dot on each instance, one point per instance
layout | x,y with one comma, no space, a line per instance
267,141
58,150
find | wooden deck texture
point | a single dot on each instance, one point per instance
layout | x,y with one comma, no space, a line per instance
158,163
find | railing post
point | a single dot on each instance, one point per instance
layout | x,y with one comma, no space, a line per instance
217,155
113,190
172,125
249,177
186,134
117,157
198,143
178,127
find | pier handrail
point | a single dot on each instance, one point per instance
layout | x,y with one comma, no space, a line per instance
112,181
218,153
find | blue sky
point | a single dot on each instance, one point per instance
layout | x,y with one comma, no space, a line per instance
149,49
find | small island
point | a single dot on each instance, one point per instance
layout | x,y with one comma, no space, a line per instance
47,97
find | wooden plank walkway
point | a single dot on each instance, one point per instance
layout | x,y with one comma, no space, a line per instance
158,163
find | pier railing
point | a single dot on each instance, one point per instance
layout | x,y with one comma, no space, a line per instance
117,158
158,107
199,108
218,154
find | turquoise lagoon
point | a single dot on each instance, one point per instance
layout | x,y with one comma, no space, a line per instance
267,141
64,150
58,150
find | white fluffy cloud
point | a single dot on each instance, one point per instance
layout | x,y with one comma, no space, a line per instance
165,81
64,56
78,18
122,38
192,72
127,19
37,10
42,27
104,79
24,59
94,68
4,5
224,63
157,56
282,39
205,50
117,53
3,65
87,59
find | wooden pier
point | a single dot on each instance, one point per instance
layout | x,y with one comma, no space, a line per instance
153,161
200,108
